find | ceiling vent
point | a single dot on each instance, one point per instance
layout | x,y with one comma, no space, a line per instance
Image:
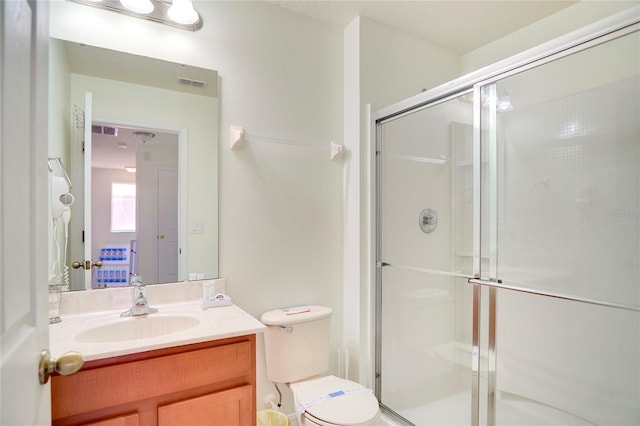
104,130
190,82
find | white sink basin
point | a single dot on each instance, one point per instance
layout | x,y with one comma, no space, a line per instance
134,328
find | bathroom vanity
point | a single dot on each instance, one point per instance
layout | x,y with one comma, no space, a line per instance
181,366
198,384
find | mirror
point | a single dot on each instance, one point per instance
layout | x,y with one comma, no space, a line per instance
163,116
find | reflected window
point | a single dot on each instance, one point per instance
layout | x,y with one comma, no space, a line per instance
123,207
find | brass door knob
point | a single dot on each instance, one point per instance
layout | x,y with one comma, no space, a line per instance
86,264
68,363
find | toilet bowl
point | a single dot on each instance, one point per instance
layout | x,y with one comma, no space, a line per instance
331,401
297,353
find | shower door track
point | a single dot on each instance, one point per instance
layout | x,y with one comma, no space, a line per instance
619,25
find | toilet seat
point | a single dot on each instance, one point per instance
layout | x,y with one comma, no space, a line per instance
330,401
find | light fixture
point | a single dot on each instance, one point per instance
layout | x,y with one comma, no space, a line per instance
144,137
176,13
130,169
138,6
121,145
182,12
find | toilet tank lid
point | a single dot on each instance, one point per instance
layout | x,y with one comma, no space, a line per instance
295,315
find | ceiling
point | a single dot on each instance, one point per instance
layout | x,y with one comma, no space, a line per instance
119,150
460,26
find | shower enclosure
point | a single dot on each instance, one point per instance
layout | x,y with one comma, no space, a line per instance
508,241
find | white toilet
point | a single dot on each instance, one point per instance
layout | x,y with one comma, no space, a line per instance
297,353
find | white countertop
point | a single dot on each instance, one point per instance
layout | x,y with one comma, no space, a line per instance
214,323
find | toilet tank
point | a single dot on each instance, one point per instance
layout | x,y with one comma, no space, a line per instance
296,342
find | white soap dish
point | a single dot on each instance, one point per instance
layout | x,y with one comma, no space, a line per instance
217,301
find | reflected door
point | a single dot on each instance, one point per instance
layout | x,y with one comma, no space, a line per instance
80,223
167,225
88,122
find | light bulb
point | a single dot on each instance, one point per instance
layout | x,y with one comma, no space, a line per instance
138,6
182,12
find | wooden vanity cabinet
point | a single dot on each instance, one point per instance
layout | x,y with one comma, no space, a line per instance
211,383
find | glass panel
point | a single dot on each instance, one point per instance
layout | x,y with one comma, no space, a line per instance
563,193
426,349
427,168
566,363
569,174
427,179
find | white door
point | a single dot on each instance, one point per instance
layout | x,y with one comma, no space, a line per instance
167,225
80,238
87,189
24,328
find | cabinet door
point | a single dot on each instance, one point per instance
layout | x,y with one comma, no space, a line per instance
230,408
126,420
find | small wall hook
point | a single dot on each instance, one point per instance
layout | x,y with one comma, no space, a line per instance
336,150
236,136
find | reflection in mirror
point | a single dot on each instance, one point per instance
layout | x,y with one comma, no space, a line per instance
134,204
163,116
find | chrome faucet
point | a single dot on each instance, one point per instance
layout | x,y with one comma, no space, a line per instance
139,304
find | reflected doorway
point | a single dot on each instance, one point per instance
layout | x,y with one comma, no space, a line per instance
136,233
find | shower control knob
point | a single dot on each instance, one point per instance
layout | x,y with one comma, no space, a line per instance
428,220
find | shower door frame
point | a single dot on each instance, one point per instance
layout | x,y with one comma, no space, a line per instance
484,285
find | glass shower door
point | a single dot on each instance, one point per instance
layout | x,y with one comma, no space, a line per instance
425,227
564,241
508,245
